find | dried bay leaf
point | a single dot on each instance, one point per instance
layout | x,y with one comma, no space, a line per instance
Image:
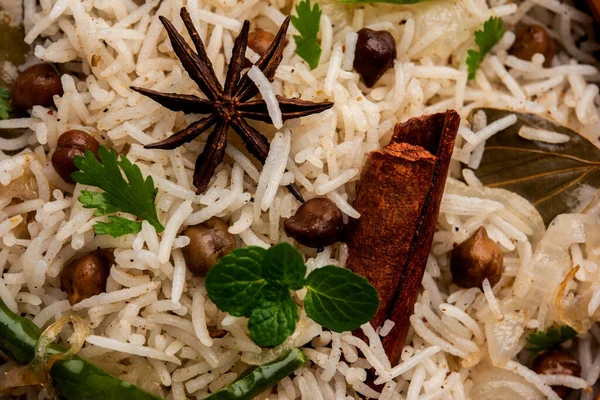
555,178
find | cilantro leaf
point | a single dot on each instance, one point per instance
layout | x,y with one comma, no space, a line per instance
98,201
235,284
284,263
134,196
5,106
486,39
554,337
308,24
339,299
118,226
273,319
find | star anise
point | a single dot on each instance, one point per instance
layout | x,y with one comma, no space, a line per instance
226,106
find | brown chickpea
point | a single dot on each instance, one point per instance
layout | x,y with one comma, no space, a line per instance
36,86
475,259
209,241
318,222
534,39
86,276
259,41
70,144
375,53
555,362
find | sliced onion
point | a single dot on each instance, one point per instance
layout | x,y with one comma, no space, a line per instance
493,383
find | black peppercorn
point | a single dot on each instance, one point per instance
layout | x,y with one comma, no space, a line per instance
375,53
317,223
475,259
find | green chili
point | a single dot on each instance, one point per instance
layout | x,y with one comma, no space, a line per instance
74,378
258,379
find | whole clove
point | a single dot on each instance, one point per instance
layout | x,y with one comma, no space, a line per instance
399,199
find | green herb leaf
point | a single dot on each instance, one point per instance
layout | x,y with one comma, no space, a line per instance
285,264
98,201
486,39
118,226
274,317
308,23
338,299
5,106
553,338
135,195
235,284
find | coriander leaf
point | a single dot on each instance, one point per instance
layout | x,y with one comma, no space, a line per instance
5,106
308,23
284,263
274,318
486,39
98,201
118,226
541,341
339,299
235,284
134,196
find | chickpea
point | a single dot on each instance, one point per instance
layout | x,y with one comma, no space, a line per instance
375,53
70,144
86,276
36,86
317,223
209,241
259,41
555,362
534,39
475,259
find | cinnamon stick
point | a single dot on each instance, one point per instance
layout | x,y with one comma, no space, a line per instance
399,199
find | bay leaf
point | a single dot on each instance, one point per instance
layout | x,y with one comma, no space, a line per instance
555,178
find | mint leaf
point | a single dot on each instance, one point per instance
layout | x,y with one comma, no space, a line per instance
98,201
284,263
273,318
134,196
339,299
486,39
118,226
308,24
5,106
235,284
553,338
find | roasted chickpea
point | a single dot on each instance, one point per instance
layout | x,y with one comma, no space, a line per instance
209,241
375,53
318,222
70,144
555,362
86,276
259,41
36,86
475,259
533,39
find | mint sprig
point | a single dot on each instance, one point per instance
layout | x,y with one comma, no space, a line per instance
255,283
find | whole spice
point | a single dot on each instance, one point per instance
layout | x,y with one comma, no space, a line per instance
534,39
226,106
399,199
36,86
85,277
375,53
209,241
73,378
69,145
317,223
476,259
555,362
